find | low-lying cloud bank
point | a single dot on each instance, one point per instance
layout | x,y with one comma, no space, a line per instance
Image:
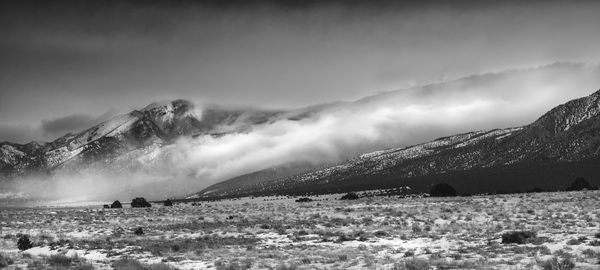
50,129
332,133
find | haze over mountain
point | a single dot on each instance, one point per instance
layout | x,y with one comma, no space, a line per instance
562,144
173,148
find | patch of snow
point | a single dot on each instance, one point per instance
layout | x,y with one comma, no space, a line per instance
9,154
40,251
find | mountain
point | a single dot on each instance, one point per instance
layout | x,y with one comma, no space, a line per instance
173,148
562,144
137,132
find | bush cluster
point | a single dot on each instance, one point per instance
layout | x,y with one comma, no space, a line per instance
140,202
580,184
168,202
518,237
555,264
350,196
138,231
24,243
304,200
442,190
116,204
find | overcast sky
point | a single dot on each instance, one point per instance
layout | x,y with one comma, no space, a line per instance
68,65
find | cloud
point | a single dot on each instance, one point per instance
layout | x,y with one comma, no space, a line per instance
66,124
19,133
50,129
396,119
73,123
60,126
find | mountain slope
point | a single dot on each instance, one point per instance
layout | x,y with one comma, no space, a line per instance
169,148
569,133
155,125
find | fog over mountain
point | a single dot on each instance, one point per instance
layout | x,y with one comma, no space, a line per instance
177,156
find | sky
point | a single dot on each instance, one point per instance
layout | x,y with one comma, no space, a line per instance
66,65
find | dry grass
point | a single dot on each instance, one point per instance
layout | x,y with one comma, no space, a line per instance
279,233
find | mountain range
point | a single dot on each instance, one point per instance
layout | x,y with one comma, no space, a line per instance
548,153
117,140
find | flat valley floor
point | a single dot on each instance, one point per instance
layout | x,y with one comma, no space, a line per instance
560,231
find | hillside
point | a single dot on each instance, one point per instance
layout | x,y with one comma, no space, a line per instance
174,148
564,141
134,134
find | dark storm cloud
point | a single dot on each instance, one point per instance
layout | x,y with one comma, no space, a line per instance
66,124
65,57
19,133
50,129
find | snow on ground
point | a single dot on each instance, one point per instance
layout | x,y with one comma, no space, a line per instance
271,232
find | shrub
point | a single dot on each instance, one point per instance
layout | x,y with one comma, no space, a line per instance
556,264
220,265
350,196
24,243
536,190
442,190
168,202
5,261
381,234
140,202
59,260
580,184
304,200
127,264
85,266
413,264
284,266
159,266
116,204
343,238
573,242
105,206
589,253
131,264
416,228
138,231
518,237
